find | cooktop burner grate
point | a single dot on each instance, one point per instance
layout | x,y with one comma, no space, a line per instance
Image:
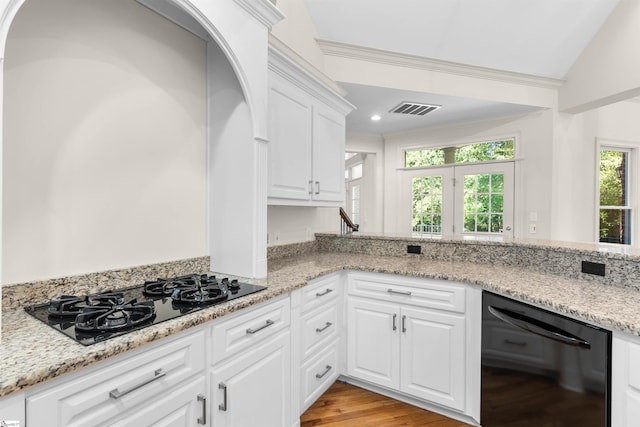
94,318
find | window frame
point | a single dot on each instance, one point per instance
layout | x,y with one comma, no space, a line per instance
632,188
402,150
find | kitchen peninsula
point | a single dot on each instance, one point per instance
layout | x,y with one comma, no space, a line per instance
542,275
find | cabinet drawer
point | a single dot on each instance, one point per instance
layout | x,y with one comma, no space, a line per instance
438,294
317,375
94,398
320,291
318,326
248,327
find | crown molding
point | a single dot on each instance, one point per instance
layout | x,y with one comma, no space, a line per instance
284,62
344,50
263,10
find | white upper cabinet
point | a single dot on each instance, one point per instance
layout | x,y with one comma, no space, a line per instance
306,137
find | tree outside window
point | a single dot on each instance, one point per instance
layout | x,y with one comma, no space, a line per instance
615,212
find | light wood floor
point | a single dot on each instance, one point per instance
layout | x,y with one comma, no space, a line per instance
346,405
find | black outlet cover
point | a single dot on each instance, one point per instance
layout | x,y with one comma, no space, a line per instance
414,249
593,268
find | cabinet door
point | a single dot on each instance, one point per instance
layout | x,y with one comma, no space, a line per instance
254,389
289,147
625,387
181,406
433,356
373,350
328,155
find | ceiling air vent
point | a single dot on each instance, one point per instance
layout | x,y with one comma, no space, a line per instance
413,108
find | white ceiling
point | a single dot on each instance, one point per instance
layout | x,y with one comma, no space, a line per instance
536,37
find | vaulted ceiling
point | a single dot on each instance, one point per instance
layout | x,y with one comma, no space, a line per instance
535,37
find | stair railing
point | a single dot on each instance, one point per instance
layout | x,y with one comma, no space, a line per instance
346,225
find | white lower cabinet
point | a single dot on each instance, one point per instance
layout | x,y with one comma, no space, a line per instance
175,407
12,408
251,376
432,356
254,388
317,351
131,391
625,396
420,338
417,351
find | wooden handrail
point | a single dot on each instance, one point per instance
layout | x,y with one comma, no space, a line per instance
347,226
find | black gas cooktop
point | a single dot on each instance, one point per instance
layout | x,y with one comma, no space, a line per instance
93,318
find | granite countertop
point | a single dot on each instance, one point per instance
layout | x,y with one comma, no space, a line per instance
32,352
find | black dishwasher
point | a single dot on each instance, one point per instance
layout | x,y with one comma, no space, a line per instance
542,369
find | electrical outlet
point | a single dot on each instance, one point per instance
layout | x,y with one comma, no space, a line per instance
533,229
595,268
414,249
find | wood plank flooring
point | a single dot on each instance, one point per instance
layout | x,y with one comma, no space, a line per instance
346,405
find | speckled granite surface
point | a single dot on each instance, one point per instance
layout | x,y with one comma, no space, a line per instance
32,352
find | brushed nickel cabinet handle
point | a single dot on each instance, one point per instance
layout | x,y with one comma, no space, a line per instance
317,187
310,187
203,399
326,371
321,294
225,402
117,394
395,316
391,291
324,328
268,323
404,326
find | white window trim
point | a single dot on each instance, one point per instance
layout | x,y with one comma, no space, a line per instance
403,148
632,148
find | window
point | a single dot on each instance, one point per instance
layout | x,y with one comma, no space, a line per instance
427,205
355,204
615,213
471,153
483,203
472,197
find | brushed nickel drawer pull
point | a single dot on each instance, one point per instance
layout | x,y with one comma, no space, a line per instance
117,394
268,323
391,291
326,371
203,399
321,294
324,328
223,405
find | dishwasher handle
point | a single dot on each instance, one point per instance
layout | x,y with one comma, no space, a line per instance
538,327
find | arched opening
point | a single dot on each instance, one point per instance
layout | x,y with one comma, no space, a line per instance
112,143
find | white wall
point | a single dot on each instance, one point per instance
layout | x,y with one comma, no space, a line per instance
297,31
608,70
104,140
291,224
574,170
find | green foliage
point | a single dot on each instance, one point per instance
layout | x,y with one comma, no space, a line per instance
478,152
486,151
424,157
612,193
427,204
